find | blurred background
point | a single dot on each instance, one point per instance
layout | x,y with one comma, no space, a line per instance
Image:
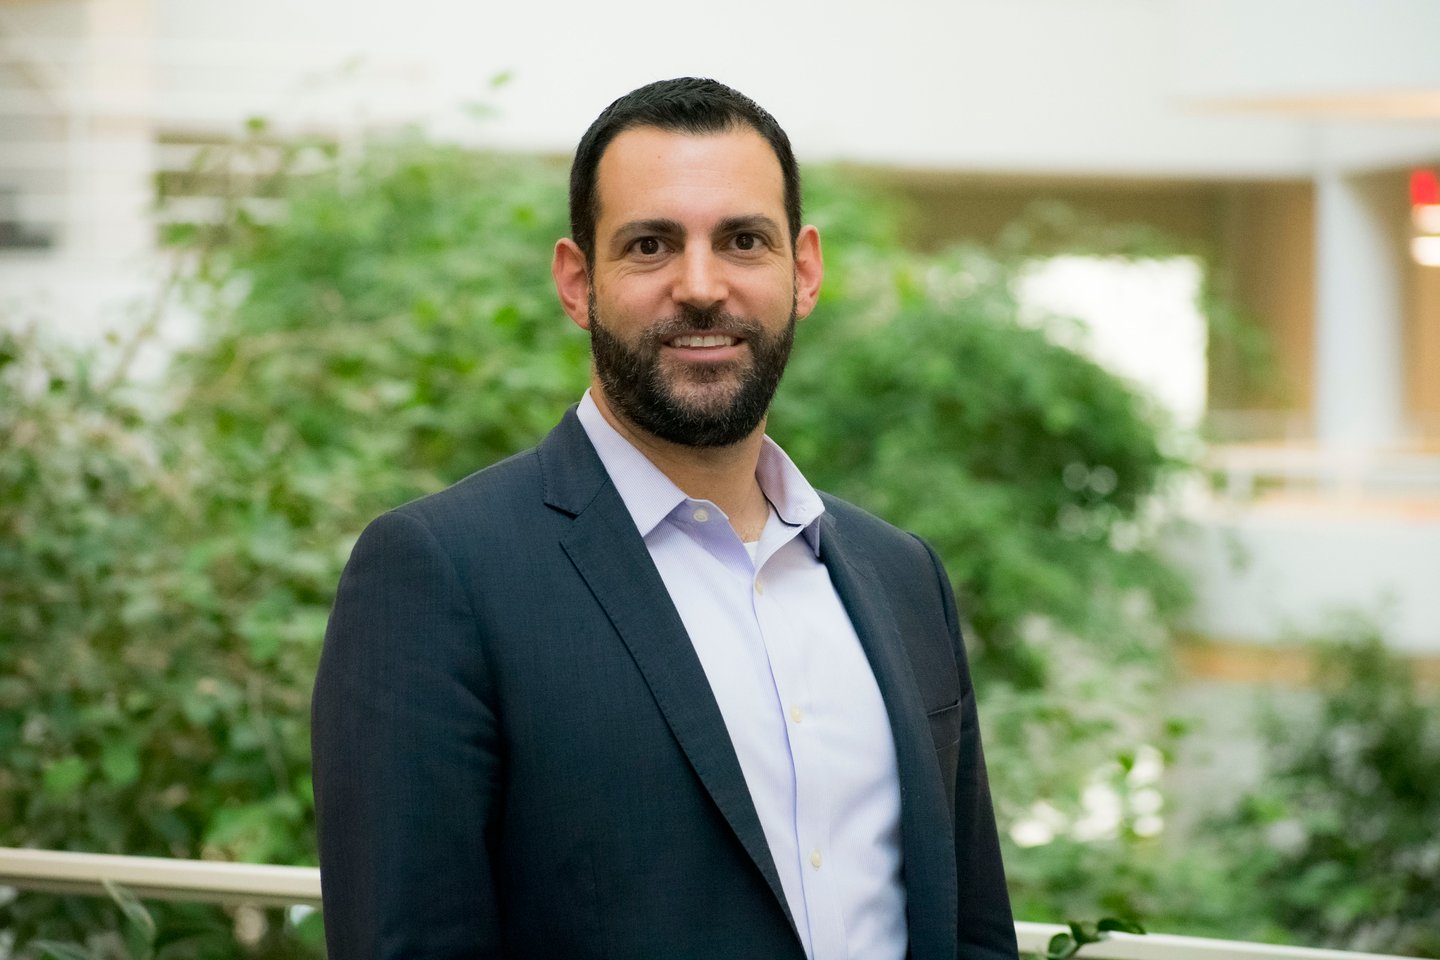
1133,310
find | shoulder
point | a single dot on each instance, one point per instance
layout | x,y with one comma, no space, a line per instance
517,496
871,533
457,541
509,489
486,513
524,500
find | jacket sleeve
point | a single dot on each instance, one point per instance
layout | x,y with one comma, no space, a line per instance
986,927
406,756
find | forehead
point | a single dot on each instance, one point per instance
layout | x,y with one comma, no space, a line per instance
648,173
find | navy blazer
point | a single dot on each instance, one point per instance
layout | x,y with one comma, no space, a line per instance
517,753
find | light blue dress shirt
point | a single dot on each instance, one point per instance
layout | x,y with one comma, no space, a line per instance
794,687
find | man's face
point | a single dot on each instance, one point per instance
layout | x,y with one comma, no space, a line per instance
692,297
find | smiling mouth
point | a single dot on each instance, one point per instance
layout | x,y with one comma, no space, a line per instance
703,340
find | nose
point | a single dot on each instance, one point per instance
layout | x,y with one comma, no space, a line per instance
701,282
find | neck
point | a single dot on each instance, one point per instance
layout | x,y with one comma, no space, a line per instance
723,475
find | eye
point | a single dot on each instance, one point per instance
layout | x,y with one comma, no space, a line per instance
746,241
647,246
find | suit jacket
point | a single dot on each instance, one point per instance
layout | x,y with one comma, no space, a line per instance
517,753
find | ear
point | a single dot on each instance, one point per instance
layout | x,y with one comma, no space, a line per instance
809,270
572,281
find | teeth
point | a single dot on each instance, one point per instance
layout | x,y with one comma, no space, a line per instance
709,340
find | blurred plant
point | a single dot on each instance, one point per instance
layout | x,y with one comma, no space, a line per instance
1063,946
136,941
127,723
1335,847
190,932
88,560
1180,885
1339,840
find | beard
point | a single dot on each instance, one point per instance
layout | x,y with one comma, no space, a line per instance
692,405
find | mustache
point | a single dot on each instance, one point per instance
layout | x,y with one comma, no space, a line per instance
692,319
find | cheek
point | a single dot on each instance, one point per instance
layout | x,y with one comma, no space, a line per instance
774,292
630,294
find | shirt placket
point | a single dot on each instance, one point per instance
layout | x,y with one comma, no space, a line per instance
788,645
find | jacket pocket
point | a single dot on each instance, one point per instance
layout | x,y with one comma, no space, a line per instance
945,725
945,732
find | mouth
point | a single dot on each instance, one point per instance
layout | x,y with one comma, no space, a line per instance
704,347
705,340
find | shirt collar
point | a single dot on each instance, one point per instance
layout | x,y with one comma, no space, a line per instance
650,496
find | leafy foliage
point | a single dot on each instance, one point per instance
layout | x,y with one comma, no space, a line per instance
170,931
1335,845
138,938
1340,839
107,708
1063,946
131,718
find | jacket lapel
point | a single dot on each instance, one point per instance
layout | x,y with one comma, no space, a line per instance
609,554
927,835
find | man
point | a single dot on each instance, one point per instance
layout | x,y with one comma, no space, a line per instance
640,692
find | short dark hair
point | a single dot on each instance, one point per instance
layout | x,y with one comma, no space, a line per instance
688,105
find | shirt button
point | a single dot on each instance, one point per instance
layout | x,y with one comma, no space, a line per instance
796,714
701,514
759,585
815,858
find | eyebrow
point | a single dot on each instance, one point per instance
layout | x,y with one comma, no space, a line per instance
662,226
755,222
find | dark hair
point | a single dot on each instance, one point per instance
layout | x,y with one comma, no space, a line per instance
688,105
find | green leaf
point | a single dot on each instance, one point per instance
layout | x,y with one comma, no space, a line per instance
1062,946
140,926
1083,932
62,951
120,763
310,929
1117,925
66,776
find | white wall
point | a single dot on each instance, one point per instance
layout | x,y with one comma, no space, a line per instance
77,132
1064,86
1266,573
1140,319
1275,48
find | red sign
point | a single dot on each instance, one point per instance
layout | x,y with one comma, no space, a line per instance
1424,188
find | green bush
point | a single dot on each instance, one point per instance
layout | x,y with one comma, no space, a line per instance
1339,840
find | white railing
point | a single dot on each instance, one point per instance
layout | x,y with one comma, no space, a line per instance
55,871
159,878
1246,469
1161,946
